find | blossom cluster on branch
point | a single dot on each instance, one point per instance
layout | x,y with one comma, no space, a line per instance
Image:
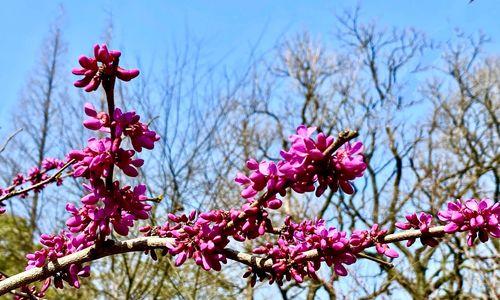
104,63
108,206
295,250
38,177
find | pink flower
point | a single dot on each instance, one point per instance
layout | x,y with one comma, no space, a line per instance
349,164
102,212
362,239
128,123
96,120
422,222
57,246
51,163
125,161
35,175
95,160
375,235
93,72
477,217
263,175
18,179
200,240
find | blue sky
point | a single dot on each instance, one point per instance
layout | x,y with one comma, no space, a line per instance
146,28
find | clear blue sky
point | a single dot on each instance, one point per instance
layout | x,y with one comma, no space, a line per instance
145,28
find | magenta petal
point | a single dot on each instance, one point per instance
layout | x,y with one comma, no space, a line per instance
126,75
403,225
451,228
87,62
340,269
92,124
391,253
78,71
181,258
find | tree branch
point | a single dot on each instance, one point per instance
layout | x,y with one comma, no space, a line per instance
52,178
110,247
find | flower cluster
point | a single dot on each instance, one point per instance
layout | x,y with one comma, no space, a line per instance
480,218
127,123
303,165
34,176
301,248
95,160
362,239
110,207
422,222
204,237
120,209
56,246
107,206
31,292
104,64
291,254
139,133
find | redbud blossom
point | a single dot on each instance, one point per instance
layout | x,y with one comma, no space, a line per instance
480,218
96,120
56,246
103,64
422,222
303,165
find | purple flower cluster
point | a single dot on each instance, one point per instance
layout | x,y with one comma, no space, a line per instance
480,218
107,207
204,237
127,123
303,165
422,222
31,292
56,246
201,240
139,133
291,253
362,239
94,72
100,154
34,176
118,211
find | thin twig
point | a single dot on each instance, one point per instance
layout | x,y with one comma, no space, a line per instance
377,260
4,145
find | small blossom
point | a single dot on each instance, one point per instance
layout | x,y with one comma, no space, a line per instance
362,239
96,120
480,218
95,160
422,222
139,133
303,165
57,246
104,63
